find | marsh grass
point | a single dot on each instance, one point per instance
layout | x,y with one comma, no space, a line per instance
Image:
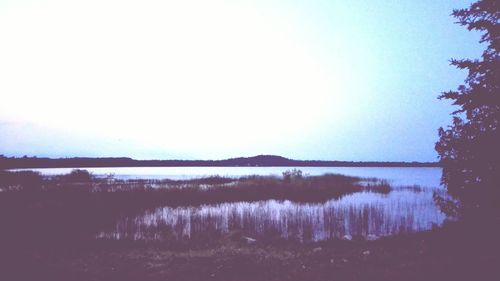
37,209
214,189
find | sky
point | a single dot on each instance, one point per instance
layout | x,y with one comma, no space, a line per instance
195,79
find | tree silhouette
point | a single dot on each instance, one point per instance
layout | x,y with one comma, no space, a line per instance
469,149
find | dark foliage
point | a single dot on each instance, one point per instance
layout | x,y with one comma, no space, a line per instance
256,161
469,149
21,180
78,175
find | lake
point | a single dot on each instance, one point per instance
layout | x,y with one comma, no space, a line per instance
364,215
426,177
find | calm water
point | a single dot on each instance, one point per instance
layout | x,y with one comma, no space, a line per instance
363,214
397,176
366,215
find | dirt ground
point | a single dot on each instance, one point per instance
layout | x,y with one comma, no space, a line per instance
451,253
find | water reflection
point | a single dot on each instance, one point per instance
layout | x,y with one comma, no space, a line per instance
365,214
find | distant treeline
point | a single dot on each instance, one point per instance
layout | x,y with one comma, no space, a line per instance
256,161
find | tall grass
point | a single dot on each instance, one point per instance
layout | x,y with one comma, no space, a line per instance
60,208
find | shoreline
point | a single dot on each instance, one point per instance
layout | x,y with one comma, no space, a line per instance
448,253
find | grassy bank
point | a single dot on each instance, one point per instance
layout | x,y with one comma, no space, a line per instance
80,187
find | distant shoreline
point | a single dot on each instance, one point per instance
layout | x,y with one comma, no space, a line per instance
256,161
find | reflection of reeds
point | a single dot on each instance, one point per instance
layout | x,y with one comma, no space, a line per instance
66,207
363,215
80,205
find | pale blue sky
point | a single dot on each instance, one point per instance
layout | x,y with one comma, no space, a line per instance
332,80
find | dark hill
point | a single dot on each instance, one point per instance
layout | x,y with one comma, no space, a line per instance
260,160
